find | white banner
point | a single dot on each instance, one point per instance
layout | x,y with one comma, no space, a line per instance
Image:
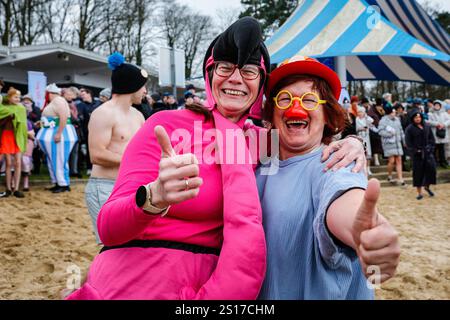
344,96
165,72
37,81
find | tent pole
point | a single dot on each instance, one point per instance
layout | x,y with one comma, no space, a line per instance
341,69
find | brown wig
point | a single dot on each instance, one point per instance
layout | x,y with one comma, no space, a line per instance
200,109
334,114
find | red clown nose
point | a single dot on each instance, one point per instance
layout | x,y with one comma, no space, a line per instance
296,111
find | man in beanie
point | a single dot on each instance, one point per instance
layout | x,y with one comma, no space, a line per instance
111,127
157,104
105,95
169,101
191,89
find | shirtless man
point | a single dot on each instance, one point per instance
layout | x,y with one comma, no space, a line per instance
111,127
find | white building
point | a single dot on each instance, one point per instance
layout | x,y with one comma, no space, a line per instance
62,64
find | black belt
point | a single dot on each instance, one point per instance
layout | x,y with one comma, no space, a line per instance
165,244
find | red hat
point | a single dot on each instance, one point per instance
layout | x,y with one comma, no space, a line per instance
354,99
304,65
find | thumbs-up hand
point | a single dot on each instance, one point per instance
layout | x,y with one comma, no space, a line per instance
376,240
178,178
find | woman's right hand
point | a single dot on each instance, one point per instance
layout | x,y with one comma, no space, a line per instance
178,177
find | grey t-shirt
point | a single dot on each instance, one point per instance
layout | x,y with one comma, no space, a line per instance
303,259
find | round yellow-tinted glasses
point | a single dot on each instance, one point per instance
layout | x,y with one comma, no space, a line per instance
309,101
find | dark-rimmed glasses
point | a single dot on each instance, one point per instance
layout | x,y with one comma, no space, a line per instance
226,69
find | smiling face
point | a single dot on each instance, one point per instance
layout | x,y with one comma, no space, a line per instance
15,99
234,95
301,130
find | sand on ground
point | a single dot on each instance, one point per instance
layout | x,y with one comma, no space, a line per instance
46,241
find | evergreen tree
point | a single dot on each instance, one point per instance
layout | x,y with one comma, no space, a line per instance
443,18
270,13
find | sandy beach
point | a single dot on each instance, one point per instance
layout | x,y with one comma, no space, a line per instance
46,237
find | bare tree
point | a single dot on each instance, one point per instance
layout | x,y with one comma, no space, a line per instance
91,22
6,21
196,32
432,8
27,25
113,28
225,17
57,18
174,19
132,24
186,30
129,29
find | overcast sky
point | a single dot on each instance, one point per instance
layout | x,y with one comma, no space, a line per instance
210,7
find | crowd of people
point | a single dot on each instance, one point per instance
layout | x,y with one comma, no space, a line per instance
381,123
177,225
389,130
21,154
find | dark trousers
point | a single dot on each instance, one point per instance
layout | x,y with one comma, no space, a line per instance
73,160
88,158
37,156
424,170
84,160
440,154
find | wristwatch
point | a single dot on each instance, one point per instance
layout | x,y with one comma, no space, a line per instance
144,201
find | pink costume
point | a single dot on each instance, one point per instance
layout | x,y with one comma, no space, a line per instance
225,215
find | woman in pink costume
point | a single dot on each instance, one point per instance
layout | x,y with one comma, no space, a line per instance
178,225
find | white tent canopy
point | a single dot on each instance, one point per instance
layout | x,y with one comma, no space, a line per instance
366,33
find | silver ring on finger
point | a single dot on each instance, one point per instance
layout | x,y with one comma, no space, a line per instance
186,182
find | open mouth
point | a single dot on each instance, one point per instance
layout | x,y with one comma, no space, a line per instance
234,93
296,124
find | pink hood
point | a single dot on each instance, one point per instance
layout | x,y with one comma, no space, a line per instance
210,103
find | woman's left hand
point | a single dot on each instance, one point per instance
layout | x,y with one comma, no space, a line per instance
376,240
343,153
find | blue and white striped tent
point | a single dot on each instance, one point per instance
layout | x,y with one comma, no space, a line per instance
382,39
